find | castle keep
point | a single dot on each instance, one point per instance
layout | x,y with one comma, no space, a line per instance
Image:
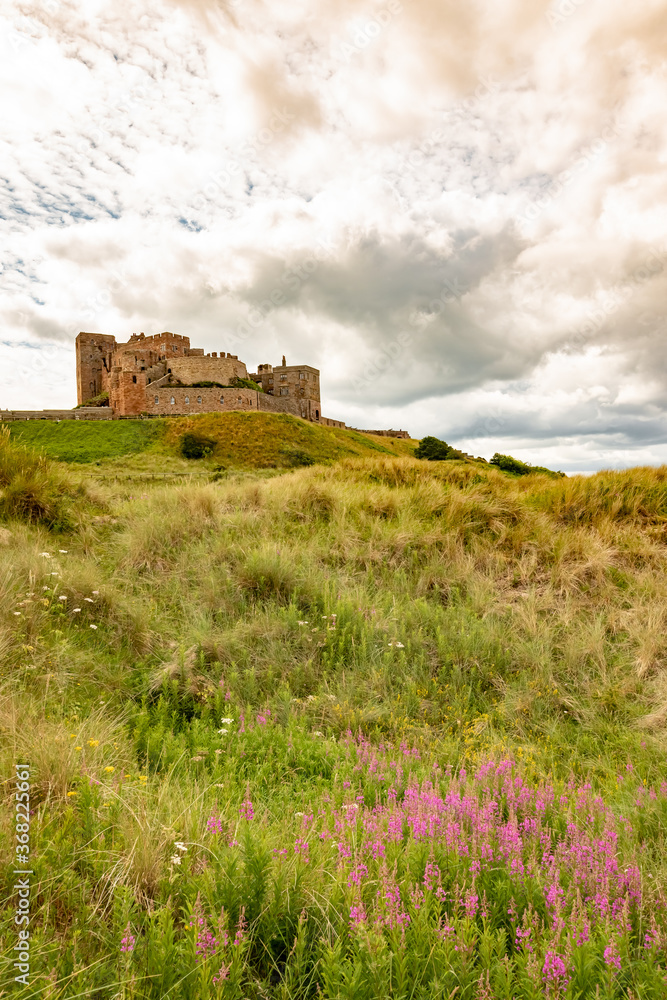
162,375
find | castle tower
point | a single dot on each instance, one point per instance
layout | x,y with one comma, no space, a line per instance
93,364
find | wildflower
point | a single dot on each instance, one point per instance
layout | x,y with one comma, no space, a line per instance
94,591
261,719
89,599
176,860
78,748
94,626
46,555
223,973
76,609
63,597
223,731
180,845
357,915
93,743
70,794
18,614
226,722
64,551
316,732
109,770
612,957
554,970
304,623
246,810
128,942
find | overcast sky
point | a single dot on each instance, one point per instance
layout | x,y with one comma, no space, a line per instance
457,211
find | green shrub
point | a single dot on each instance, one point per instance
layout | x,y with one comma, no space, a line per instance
514,465
195,445
435,450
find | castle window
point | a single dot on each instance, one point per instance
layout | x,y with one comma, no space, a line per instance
199,399
284,392
134,379
187,400
172,400
157,399
317,414
283,377
302,374
222,399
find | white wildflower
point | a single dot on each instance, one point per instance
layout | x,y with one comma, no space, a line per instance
180,845
298,814
76,609
316,732
303,623
89,599
93,626
47,555
94,591
175,860
17,613
63,597
226,722
223,731
64,551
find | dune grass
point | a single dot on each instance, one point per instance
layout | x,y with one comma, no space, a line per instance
377,728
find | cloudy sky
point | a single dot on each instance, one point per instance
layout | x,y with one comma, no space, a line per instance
457,211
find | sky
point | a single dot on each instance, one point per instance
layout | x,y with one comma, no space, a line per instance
456,211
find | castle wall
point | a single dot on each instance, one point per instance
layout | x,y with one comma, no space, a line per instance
207,369
127,392
187,401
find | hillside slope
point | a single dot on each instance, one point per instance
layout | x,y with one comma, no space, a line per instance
377,728
242,440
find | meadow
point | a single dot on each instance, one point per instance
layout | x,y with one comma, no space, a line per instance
375,728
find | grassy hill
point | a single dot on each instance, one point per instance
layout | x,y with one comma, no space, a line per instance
243,440
375,728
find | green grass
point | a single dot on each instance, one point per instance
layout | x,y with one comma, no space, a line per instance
244,440
377,629
87,441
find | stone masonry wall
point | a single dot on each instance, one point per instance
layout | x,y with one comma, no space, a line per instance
207,369
91,376
198,400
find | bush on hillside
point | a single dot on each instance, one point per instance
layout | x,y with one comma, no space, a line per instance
514,465
194,445
34,491
295,457
435,450
206,385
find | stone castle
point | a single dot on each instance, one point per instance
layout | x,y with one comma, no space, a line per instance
162,375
